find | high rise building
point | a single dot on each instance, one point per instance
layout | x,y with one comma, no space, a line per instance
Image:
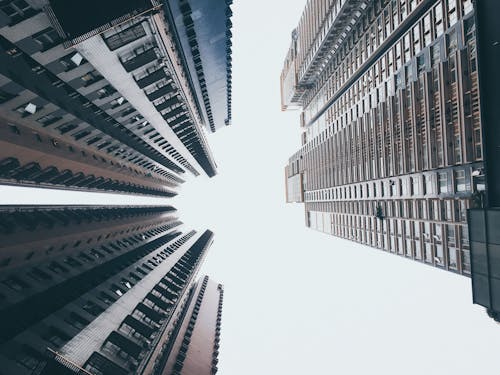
111,95
206,42
196,346
103,290
392,149
484,221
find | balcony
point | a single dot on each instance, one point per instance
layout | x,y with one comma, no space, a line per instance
150,313
126,344
139,326
176,111
150,78
159,302
337,21
141,58
168,103
166,293
167,89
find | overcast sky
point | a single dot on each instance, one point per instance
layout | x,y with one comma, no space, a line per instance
298,301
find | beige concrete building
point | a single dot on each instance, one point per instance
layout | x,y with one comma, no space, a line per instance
392,145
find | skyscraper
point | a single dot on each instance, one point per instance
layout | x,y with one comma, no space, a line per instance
392,149
101,290
206,42
111,96
484,221
196,346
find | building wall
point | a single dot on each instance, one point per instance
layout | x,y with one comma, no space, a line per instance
61,266
94,288
391,127
128,107
204,32
195,348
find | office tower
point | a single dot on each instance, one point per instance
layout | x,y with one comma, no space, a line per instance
98,290
392,145
101,95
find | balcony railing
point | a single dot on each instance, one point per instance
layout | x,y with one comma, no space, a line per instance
150,78
164,90
140,59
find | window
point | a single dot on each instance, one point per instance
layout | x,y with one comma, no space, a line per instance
57,268
17,10
96,253
93,140
451,42
466,6
117,290
92,308
64,128
447,207
56,337
452,257
462,211
72,61
452,12
47,38
118,102
460,182
76,321
438,19
27,109
439,255
28,357
49,119
127,111
72,262
415,186
106,298
38,274
451,235
81,134
115,350
134,277
443,182
106,91
91,77
16,283
85,258
125,36
6,96
126,283
102,145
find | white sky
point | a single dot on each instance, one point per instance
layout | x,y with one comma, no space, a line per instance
298,301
